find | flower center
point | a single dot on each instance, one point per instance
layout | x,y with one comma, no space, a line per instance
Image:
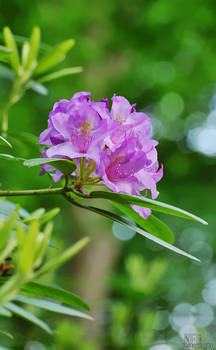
86,128
118,118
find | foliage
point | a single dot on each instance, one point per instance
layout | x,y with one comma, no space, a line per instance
125,49
22,240
23,249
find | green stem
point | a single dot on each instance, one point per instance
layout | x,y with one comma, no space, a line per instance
16,93
82,168
42,191
92,181
5,122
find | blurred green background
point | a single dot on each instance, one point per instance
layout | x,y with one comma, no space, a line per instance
160,54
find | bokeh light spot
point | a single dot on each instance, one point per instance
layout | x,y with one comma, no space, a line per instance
172,105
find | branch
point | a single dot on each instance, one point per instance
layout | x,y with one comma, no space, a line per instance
42,191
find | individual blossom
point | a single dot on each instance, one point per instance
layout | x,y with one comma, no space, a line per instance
130,122
61,109
118,169
75,129
130,170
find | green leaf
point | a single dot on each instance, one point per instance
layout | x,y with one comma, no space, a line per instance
125,222
41,215
25,51
3,347
3,141
4,53
7,228
60,73
7,208
54,57
22,39
147,203
9,157
6,73
33,49
15,309
11,44
5,312
25,137
41,245
7,335
52,306
61,259
34,215
26,261
64,165
36,87
55,293
8,249
48,215
152,225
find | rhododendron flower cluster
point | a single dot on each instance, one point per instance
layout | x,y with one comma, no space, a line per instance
108,145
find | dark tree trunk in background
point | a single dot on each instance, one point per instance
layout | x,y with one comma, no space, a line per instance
94,267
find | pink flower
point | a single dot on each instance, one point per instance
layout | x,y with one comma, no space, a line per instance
117,141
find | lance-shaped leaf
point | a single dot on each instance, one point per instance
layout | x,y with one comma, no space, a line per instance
54,57
41,215
17,310
23,39
7,228
26,137
11,44
4,142
5,312
34,45
60,73
56,293
24,53
6,73
125,222
9,157
152,224
7,208
61,259
27,254
52,306
66,166
147,203
36,87
4,53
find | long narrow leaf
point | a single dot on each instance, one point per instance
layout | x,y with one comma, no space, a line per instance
48,291
152,225
15,309
22,39
6,73
33,48
36,87
5,312
60,73
147,203
64,257
64,165
4,53
51,306
11,44
7,228
123,221
54,57
3,141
